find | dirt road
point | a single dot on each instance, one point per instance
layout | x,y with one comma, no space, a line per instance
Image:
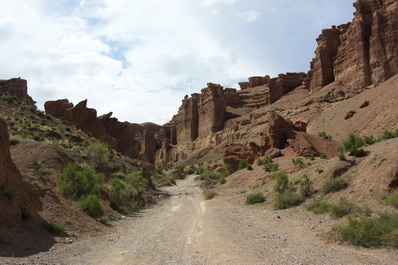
185,229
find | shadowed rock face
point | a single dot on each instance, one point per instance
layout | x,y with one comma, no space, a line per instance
359,53
15,195
284,84
19,88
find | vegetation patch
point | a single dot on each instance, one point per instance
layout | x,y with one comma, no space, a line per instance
91,205
253,198
55,228
79,180
319,207
392,199
353,145
306,186
244,164
370,231
335,185
210,194
210,179
288,199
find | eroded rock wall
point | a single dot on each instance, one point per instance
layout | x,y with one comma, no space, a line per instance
360,53
19,88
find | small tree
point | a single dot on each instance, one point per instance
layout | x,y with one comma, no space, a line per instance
353,145
282,183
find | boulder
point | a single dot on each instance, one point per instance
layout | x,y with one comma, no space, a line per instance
233,154
57,108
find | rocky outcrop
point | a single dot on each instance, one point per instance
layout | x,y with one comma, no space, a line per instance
235,153
212,109
15,195
134,140
360,53
187,120
277,134
58,108
19,88
322,68
254,81
284,84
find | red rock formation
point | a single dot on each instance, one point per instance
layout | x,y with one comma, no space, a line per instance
283,84
322,69
19,88
58,108
359,53
15,195
133,140
212,109
244,85
256,81
187,120
235,153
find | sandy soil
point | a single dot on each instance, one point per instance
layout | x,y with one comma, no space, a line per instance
186,229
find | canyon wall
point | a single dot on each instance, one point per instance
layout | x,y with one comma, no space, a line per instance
360,53
353,55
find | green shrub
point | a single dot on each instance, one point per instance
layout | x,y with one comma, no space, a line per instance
370,231
312,157
161,180
389,135
191,170
275,167
282,183
91,205
353,145
319,207
306,187
55,227
209,194
119,195
255,186
297,161
323,155
335,185
244,164
253,198
158,170
269,165
97,152
287,200
229,168
77,180
211,178
199,170
392,199
324,135
343,208
369,140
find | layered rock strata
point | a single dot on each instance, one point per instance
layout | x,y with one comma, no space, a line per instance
19,88
360,53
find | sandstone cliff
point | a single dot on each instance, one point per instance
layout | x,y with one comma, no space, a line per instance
360,53
19,88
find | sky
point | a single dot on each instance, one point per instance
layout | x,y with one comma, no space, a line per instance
139,58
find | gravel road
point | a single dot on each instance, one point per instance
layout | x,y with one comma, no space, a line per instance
186,229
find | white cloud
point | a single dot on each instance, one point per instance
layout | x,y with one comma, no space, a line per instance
139,58
213,2
250,16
